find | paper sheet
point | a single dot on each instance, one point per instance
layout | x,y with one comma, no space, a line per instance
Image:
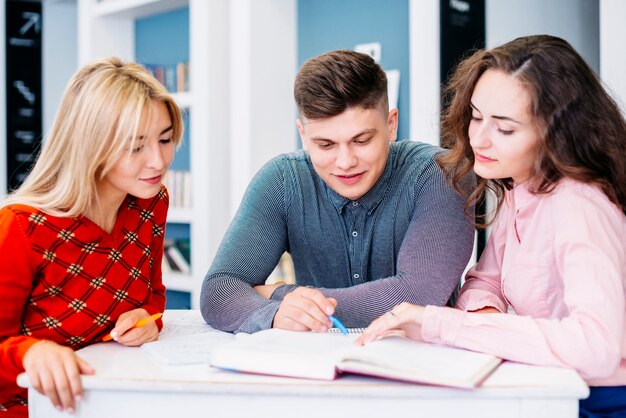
186,339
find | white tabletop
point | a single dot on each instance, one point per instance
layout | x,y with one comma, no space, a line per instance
133,374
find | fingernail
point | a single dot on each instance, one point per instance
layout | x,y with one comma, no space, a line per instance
114,334
70,410
329,310
58,407
78,398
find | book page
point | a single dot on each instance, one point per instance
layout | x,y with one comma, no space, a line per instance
404,359
284,353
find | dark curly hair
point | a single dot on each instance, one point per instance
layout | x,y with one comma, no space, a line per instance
582,130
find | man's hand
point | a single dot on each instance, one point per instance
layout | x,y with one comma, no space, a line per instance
305,309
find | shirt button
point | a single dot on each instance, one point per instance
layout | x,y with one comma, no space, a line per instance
354,233
355,203
356,276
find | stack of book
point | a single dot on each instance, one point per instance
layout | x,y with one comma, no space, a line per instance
176,256
175,78
178,185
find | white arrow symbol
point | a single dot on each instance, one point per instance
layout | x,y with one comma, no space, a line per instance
32,19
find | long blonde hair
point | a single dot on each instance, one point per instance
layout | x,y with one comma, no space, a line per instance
98,119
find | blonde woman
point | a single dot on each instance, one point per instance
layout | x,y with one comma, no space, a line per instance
82,239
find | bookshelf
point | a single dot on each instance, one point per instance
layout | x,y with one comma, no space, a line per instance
108,27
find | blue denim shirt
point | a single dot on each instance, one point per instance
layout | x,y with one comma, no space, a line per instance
407,239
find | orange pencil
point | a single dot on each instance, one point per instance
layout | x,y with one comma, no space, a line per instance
138,324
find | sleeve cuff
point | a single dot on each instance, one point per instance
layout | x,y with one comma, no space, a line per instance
477,298
281,291
261,319
18,346
441,325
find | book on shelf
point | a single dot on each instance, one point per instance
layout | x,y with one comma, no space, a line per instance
175,78
325,356
178,185
182,76
176,256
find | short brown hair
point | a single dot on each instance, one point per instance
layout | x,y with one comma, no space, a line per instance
582,130
328,84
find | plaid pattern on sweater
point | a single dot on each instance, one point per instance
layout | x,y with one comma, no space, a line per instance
67,280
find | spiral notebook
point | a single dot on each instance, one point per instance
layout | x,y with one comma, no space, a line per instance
350,330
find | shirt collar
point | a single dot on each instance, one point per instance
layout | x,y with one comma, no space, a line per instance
375,195
522,194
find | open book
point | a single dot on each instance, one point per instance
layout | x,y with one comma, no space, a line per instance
324,355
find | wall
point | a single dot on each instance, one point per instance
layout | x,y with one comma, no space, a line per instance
60,58
324,25
262,70
576,21
612,51
424,61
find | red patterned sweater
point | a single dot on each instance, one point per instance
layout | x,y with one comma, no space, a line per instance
66,280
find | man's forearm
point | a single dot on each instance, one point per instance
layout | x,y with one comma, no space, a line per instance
229,304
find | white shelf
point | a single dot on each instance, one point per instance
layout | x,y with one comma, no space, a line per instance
179,282
136,8
180,215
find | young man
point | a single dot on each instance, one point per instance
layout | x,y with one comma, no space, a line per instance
369,222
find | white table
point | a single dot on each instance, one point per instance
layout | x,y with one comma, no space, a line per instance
130,383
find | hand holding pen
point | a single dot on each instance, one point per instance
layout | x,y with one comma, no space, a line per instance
305,309
134,328
338,324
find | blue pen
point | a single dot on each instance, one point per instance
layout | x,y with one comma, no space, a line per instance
337,324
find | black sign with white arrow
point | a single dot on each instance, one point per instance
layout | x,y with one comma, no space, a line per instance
23,87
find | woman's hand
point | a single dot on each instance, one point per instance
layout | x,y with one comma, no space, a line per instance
54,371
404,319
124,333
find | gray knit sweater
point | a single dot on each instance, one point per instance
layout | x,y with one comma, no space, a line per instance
407,239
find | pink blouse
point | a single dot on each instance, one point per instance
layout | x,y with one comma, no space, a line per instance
557,261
